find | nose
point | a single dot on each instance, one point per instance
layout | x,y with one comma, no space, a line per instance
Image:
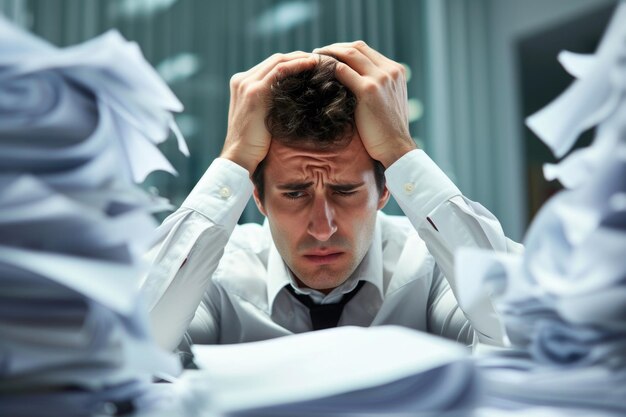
322,220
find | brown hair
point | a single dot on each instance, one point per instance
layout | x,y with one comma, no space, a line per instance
311,109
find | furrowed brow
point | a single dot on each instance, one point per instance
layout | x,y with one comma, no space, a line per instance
345,187
295,186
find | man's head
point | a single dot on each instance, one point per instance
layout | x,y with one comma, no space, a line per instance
312,109
318,186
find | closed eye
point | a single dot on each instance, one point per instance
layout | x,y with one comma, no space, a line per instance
344,193
294,195
346,189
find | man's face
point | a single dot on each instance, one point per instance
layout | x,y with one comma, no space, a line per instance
321,208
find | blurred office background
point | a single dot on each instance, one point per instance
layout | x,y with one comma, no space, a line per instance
477,68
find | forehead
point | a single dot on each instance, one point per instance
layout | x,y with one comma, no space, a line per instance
291,163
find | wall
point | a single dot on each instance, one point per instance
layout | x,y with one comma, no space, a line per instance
475,126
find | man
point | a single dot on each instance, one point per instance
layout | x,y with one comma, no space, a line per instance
325,138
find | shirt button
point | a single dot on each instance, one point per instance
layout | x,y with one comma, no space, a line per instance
409,187
225,192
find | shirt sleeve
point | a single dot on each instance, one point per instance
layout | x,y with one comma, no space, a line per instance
447,221
190,244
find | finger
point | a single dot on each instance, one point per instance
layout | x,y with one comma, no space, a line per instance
275,58
259,71
386,64
356,59
292,66
349,77
374,56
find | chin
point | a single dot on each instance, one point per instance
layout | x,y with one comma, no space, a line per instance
326,280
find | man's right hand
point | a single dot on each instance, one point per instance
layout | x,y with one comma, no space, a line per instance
247,140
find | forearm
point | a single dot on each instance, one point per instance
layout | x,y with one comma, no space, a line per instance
191,245
447,221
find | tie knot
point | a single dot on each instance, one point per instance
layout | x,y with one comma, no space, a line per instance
324,316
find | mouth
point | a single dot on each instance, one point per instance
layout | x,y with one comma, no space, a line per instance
321,258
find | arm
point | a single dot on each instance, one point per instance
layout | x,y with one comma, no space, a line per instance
446,221
435,206
193,238
191,244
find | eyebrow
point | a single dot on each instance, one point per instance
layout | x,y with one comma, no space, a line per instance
295,186
346,187
299,186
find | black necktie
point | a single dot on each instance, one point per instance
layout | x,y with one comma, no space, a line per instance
324,316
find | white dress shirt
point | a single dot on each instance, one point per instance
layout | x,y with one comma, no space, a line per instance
225,283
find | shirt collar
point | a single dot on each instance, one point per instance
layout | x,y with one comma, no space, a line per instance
370,269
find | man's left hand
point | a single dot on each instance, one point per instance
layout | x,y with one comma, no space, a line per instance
379,85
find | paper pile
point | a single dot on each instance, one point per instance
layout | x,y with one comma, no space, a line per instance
564,300
344,371
77,127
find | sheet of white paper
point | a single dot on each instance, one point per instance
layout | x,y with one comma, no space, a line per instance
578,167
500,274
595,388
26,157
18,44
104,53
564,244
139,102
578,65
182,144
44,110
85,355
320,364
583,105
76,403
589,100
537,411
143,156
111,284
86,231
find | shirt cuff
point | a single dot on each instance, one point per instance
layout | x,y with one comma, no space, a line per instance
222,193
418,184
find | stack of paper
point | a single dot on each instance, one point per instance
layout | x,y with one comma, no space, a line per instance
564,300
77,127
339,372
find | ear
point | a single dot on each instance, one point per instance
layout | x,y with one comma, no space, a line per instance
259,203
384,197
